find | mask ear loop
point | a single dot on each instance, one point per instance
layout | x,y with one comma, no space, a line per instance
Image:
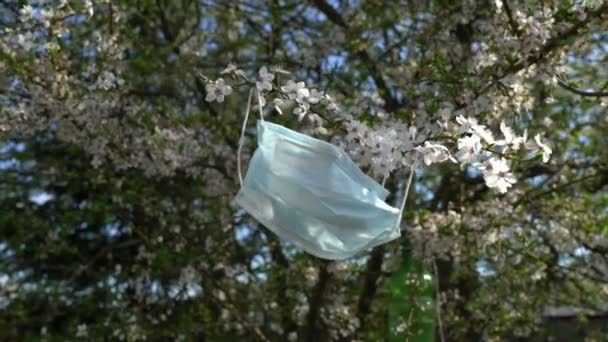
260,105
407,191
242,139
384,180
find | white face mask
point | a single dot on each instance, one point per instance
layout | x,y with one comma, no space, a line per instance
312,194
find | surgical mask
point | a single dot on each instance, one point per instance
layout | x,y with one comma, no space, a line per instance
312,194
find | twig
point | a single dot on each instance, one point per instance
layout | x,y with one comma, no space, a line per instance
512,21
556,188
582,92
391,103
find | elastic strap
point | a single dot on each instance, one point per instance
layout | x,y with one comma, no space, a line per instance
260,105
407,191
242,139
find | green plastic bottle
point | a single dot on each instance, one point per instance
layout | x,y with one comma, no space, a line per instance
411,311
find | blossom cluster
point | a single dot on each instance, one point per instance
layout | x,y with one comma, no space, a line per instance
391,145
291,96
478,147
385,148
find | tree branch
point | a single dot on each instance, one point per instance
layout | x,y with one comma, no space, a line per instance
544,51
374,272
315,303
558,40
512,21
582,92
391,104
280,269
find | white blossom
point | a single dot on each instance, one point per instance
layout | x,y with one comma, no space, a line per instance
510,140
470,125
482,132
217,90
296,91
434,153
466,124
496,173
277,103
468,148
46,15
107,80
337,267
301,110
314,97
498,5
311,275
82,331
331,105
26,12
26,41
544,148
232,69
264,81
88,7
